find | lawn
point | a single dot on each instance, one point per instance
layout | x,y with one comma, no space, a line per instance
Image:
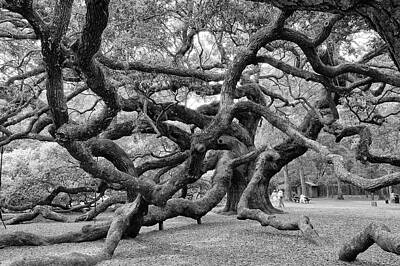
224,240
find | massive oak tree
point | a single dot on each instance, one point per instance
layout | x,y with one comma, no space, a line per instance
131,55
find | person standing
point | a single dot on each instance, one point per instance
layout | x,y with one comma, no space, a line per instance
274,197
280,199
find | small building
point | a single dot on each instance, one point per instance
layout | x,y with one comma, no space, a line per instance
312,190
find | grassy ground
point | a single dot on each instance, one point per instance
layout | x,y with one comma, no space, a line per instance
224,240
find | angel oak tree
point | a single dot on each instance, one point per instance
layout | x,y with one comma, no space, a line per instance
266,66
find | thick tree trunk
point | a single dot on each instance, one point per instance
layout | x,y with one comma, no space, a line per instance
373,233
235,190
381,195
245,212
327,190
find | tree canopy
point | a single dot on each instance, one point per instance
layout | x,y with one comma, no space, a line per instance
205,84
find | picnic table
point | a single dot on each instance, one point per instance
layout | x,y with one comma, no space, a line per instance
297,199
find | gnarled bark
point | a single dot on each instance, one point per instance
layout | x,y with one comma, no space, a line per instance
93,213
245,212
87,233
374,233
200,207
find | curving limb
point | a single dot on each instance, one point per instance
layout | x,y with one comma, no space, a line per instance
87,233
363,152
378,234
197,208
245,212
100,208
120,223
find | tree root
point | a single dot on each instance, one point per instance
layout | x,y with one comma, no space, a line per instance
373,233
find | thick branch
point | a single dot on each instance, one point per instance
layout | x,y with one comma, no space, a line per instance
170,70
373,233
197,208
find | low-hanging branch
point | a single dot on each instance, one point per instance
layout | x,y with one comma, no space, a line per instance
174,207
38,210
87,233
120,223
155,215
54,193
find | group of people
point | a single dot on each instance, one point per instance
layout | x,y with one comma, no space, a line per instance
277,198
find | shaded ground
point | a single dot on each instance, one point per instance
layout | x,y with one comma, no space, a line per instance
224,240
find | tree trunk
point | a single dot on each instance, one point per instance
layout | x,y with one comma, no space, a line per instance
235,190
339,190
245,212
288,187
381,196
327,190
259,199
302,182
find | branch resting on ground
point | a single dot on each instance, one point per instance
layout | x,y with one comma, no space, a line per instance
119,225
373,233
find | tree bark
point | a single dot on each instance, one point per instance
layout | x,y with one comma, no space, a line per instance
119,225
38,210
235,190
87,233
89,216
245,212
373,233
382,16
